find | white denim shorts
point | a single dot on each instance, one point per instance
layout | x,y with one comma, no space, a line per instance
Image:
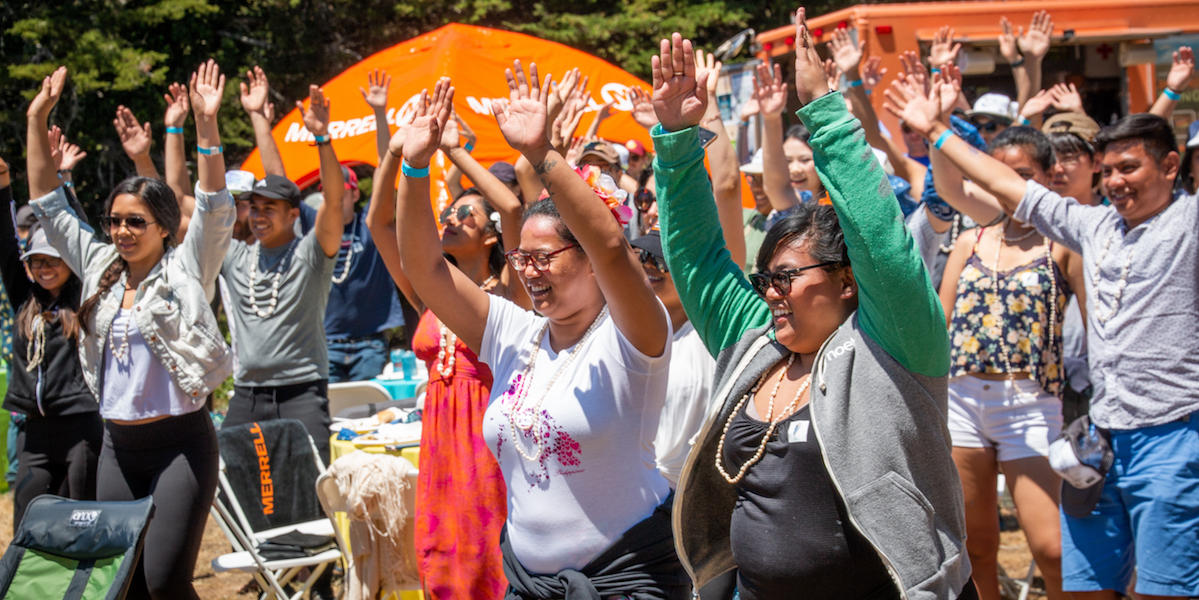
1014,416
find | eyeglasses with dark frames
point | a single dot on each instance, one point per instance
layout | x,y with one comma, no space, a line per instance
43,262
781,280
647,258
135,224
519,259
460,214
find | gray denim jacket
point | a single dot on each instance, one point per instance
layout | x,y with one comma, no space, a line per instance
171,308
882,432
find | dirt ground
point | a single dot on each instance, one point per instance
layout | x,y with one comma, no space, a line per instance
1013,557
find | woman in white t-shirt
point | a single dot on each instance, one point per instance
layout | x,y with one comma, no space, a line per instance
578,384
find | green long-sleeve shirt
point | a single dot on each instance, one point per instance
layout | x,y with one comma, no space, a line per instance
897,306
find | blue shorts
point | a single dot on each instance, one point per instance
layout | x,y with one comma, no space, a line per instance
1147,517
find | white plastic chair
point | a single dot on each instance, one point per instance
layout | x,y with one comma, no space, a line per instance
348,394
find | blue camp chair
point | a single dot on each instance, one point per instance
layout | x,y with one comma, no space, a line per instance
74,549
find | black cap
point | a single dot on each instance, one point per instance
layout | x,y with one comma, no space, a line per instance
278,187
504,172
652,243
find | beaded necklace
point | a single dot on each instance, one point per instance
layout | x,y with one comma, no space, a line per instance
773,423
1101,314
120,352
527,419
1003,349
36,350
275,273
345,267
446,353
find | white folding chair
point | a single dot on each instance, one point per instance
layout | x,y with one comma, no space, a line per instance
348,394
230,511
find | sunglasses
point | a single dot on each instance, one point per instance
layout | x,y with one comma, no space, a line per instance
989,126
460,214
135,224
43,262
781,280
644,199
647,258
519,259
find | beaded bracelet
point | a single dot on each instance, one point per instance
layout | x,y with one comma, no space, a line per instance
948,133
410,171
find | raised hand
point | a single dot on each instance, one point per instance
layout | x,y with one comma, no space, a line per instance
450,138
135,136
846,54
1038,104
424,133
832,74
268,112
770,91
563,128
254,91
1067,98
316,118
177,105
643,108
1181,70
678,100
1035,42
68,155
873,72
810,81
464,130
55,136
523,118
914,68
377,82
749,108
943,50
48,96
560,92
707,73
1007,41
207,87
907,101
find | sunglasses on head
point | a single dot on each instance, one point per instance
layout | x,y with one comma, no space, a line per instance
136,224
647,258
780,280
460,214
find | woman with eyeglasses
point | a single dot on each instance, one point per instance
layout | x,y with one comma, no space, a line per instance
827,467
63,429
579,382
460,507
151,349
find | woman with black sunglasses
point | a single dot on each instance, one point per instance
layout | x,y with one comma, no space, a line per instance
151,349
827,468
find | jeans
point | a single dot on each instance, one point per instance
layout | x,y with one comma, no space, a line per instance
358,359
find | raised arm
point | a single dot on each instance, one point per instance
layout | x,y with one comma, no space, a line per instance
631,302
722,160
255,91
381,217
175,161
376,97
1182,68
136,141
770,91
1034,45
715,293
897,306
456,300
329,226
211,225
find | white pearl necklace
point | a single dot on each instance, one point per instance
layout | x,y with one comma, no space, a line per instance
276,273
36,350
527,419
773,422
447,354
345,267
954,230
120,352
1100,313
1047,338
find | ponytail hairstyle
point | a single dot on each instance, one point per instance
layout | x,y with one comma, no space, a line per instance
40,301
163,206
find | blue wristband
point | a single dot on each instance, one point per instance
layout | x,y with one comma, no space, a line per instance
321,139
410,171
470,147
948,133
210,150
175,130
853,83
1171,94
934,70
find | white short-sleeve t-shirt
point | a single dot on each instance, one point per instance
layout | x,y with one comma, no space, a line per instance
595,476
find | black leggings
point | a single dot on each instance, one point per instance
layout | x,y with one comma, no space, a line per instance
57,456
176,461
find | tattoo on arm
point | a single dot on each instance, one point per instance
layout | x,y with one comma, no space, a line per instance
545,166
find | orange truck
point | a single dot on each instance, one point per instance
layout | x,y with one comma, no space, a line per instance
1116,51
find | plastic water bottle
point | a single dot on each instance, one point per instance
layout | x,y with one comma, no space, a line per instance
394,369
411,369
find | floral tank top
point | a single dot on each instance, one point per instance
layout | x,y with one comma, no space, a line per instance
1013,318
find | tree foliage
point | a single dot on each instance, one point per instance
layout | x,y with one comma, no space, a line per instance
125,52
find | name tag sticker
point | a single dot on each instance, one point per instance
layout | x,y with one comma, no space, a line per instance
797,432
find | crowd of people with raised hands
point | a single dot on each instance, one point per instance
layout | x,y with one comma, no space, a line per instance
638,387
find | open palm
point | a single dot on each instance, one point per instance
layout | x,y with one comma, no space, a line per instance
207,86
678,100
423,136
524,118
769,90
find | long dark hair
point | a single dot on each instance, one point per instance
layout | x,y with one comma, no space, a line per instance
41,300
163,206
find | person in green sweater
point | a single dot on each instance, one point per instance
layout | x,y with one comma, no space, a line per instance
827,467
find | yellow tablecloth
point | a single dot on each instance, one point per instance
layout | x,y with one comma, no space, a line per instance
339,448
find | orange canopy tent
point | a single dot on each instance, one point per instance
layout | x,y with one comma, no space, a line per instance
475,58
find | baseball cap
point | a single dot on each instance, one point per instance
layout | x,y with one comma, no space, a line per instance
635,148
350,177
503,171
601,150
651,242
239,182
996,106
623,153
39,244
1071,122
25,216
1082,456
754,166
278,187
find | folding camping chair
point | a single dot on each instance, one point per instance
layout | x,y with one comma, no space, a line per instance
268,490
74,549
